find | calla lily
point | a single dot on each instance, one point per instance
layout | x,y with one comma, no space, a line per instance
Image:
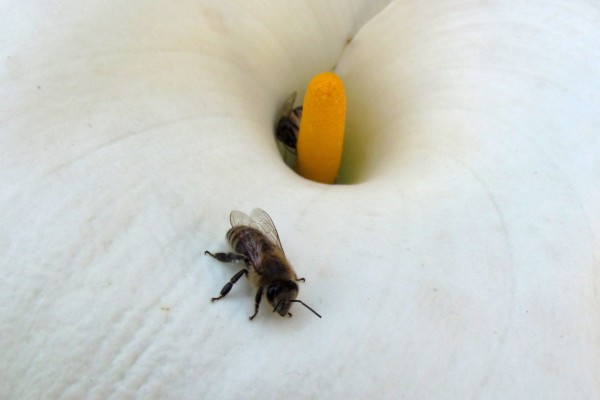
457,259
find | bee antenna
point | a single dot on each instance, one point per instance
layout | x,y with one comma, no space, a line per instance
304,304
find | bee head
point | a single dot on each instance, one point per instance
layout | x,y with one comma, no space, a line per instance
280,295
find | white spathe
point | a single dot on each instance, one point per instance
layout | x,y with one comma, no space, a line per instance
461,263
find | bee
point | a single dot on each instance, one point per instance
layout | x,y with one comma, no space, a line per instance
288,125
256,243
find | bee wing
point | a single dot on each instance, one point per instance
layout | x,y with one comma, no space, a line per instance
238,218
288,105
259,220
264,223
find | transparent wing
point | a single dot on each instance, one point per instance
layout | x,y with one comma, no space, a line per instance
257,219
288,105
262,221
238,218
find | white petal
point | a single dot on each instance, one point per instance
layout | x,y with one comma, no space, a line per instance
462,262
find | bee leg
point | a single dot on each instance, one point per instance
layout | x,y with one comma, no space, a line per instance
299,279
229,284
257,300
228,257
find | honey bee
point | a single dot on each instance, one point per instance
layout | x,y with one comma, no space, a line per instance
289,123
256,242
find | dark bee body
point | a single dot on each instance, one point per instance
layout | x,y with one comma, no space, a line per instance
288,125
257,247
256,243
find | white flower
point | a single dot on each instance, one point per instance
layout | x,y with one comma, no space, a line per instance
460,260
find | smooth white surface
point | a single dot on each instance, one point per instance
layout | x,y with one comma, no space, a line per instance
462,263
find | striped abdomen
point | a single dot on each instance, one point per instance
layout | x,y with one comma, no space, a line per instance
249,242
288,127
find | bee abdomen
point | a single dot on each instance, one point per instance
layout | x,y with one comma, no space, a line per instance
233,237
288,127
242,238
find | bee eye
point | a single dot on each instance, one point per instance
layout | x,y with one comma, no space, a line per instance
272,292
